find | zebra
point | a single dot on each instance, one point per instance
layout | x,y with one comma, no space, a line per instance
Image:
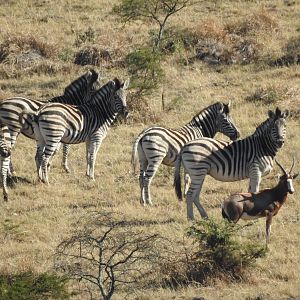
5,152
55,123
78,92
251,157
159,145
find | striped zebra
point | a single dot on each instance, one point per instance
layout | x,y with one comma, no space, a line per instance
159,145
55,123
251,157
5,151
76,93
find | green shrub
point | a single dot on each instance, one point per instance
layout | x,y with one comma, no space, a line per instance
214,253
144,65
219,251
33,287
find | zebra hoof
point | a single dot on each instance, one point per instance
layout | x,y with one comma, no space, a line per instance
67,170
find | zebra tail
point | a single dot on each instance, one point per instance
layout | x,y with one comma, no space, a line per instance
27,115
134,154
177,178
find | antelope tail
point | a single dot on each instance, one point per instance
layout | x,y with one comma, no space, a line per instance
177,178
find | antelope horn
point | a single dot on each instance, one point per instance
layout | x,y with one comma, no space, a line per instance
293,163
281,167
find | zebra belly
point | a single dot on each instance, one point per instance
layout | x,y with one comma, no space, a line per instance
222,176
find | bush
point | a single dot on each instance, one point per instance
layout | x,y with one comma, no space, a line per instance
292,53
267,95
92,55
34,287
25,50
217,254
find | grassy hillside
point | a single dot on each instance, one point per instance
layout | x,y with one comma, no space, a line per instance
38,217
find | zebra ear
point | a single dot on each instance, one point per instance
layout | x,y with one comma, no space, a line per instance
117,83
126,84
94,75
285,114
226,108
271,114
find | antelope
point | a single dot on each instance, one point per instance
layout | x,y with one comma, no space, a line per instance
266,203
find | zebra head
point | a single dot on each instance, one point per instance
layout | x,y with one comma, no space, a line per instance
83,87
118,101
225,123
277,127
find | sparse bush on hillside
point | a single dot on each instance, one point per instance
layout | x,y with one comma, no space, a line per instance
234,43
88,36
260,21
292,53
108,254
92,55
20,54
268,95
27,285
271,94
25,50
216,253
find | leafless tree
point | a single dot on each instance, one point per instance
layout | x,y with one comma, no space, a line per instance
108,253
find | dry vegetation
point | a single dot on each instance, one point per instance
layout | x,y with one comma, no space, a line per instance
241,46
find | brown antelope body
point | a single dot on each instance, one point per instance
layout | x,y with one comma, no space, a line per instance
266,203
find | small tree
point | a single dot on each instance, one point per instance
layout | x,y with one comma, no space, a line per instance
108,254
146,61
158,11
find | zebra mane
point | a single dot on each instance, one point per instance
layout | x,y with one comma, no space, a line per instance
206,109
89,77
261,129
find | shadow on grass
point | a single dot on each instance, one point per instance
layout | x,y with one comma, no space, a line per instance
12,181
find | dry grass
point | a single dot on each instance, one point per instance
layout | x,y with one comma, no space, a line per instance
38,217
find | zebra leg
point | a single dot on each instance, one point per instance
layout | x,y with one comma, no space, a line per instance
93,147
187,183
4,171
66,151
38,158
47,155
147,179
189,205
255,179
193,196
143,167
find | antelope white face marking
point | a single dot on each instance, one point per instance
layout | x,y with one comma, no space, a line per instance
290,186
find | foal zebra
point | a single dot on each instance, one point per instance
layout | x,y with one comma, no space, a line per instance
55,123
156,145
78,92
251,157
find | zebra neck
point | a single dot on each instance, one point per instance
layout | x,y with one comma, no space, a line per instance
265,143
204,124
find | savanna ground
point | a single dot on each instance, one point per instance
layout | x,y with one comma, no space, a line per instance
38,217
